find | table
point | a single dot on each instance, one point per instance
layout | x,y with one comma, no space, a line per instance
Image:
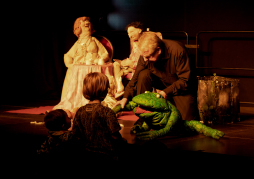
74,96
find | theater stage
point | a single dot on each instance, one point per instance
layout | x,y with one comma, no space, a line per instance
21,136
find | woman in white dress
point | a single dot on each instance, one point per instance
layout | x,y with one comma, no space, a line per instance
86,50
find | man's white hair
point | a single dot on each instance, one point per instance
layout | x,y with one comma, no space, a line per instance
148,43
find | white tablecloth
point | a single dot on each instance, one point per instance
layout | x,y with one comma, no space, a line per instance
74,96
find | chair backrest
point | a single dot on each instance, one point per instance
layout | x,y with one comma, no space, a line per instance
107,44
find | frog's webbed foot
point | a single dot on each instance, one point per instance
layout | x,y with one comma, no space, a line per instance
216,134
136,129
139,126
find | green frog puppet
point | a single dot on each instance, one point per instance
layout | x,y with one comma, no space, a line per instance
158,117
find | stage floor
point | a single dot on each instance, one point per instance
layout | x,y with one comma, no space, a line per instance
20,139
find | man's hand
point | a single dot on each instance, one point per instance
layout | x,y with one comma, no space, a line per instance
162,93
122,102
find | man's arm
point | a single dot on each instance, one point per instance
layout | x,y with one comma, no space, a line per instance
182,70
129,89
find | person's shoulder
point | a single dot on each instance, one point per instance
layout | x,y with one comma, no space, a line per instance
81,108
173,45
97,106
94,38
105,107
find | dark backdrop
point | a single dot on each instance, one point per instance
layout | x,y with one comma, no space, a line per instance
36,35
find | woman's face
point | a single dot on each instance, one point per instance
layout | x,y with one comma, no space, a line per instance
134,33
85,25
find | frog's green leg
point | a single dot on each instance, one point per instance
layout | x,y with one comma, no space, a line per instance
150,135
203,129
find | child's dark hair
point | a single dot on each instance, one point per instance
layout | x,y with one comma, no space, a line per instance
95,86
55,120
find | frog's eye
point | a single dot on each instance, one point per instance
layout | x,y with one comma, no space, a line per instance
158,95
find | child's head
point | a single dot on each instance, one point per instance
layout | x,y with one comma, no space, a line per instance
57,120
95,86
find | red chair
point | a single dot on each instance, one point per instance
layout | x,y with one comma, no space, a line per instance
107,44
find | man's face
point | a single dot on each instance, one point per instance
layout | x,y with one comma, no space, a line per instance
134,33
152,57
